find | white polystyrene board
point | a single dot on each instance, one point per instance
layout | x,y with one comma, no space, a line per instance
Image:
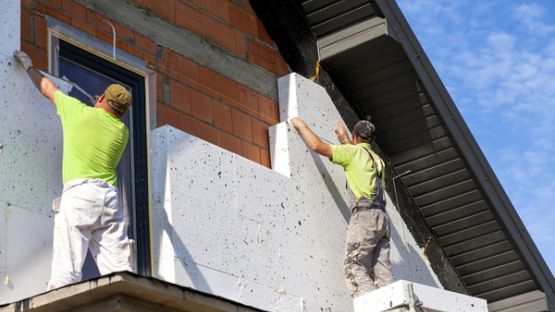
390,296
217,176
218,244
205,279
9,29
309,101
408,261
315,107
279,150
30,170
286,97
279,229
257,231
160,204
272,299
26,160
27,246
431,298
162,246
307,217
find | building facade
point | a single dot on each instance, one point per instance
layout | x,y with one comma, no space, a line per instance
220,193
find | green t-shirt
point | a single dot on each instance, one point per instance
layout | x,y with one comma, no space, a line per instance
94,141
359,168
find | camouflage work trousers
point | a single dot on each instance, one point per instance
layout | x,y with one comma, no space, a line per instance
367,264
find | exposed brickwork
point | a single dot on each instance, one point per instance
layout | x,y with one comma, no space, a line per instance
25,25
189,96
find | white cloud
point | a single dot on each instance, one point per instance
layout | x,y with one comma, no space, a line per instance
528,10
550,49
530,15
498,62
501,42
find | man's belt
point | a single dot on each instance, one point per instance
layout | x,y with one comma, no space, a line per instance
365,204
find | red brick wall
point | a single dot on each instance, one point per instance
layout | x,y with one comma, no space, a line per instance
202,102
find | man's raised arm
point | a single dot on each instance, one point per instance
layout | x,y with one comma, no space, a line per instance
311,139
342,134
43,84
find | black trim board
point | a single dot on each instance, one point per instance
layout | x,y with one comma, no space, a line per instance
288,26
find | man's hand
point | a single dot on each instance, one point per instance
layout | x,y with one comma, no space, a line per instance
342,134
43,84
23,59
297,123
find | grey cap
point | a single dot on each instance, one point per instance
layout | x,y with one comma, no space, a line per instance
364,129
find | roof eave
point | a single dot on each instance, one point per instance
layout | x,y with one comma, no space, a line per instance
469,147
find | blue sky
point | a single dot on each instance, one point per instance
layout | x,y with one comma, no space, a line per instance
497,59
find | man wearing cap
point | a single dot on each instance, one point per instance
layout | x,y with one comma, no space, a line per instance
90,216
367,265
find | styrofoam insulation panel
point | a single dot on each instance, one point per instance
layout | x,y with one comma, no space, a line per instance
431,299
269,238
30,171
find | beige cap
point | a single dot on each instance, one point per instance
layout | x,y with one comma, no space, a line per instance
118,98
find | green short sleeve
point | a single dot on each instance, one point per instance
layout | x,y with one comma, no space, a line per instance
342,154
360,170
94,141
66,105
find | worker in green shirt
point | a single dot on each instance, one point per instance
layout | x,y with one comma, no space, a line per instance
367,265
90,216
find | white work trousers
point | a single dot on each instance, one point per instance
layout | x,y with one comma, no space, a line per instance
89,217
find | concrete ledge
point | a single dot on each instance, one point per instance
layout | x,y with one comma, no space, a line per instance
124,292
408,295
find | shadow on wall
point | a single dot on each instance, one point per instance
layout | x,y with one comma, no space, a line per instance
409,265
198,280
332,188
159,182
